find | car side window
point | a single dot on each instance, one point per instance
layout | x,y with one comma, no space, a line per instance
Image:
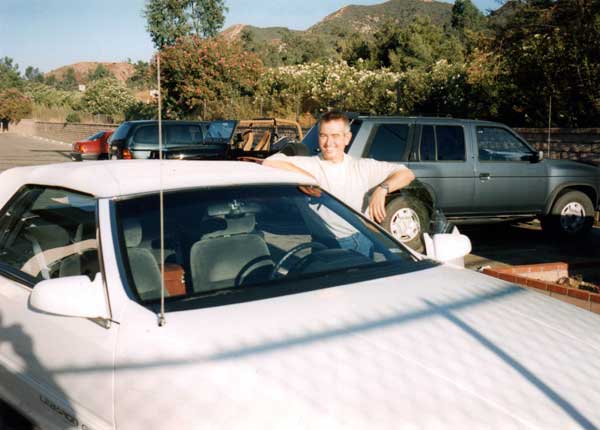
498,144
389,142
48,233
442,143
147,134
184,134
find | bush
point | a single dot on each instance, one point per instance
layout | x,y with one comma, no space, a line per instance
107,97
72,117
15,105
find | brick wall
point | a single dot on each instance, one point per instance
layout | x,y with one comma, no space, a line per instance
64,132
566,143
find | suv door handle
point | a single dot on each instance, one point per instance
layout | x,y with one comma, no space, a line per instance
485,176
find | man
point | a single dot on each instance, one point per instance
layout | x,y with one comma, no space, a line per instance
362,184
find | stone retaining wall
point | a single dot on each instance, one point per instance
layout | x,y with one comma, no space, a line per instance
566,143
63,132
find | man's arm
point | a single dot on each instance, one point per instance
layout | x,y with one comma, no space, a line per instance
395,181
286,165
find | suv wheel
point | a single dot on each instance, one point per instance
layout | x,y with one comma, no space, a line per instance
572,215
406,219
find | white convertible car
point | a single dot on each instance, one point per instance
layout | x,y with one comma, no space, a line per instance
264,319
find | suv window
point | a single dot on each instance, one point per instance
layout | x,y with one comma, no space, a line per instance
442,143
49,233
498,144
121,131
182,134
148,134
389,142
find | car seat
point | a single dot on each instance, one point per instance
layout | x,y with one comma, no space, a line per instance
233,256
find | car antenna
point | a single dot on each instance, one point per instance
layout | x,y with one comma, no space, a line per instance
161,317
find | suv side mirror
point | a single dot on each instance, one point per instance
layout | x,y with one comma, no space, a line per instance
72,296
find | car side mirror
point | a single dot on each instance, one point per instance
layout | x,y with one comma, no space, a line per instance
71,296
448,247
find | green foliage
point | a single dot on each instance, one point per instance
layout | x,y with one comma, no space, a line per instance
311,87
196,71
141,78
33,74
140,110
73,117
465,15
552,50
15,105
168,20
100,72
49,96
69,81
107,97
9,74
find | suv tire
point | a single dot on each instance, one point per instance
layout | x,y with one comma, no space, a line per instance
407,219
572,215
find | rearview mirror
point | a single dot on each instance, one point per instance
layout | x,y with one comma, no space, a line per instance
72,296
448,248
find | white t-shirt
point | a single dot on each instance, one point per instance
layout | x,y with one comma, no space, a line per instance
350,181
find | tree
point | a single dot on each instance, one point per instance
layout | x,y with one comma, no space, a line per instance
107,96
100,72
552,50
141,78
9,74
33,74
15,106
69,81
168,20
195,71
465,15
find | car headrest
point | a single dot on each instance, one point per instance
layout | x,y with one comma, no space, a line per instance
132,230
234,225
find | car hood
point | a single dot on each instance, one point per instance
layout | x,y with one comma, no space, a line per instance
572,168
435,349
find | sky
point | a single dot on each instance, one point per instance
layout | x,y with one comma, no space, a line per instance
48,34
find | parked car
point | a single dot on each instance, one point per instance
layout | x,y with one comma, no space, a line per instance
139,139
475,172
256,138
267,323
94,147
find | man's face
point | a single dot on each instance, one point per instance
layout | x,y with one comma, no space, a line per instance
333,138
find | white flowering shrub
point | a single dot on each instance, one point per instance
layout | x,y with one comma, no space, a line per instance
330,85
107,97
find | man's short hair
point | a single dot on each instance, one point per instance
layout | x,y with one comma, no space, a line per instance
335,116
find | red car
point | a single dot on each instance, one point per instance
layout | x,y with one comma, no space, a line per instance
94,147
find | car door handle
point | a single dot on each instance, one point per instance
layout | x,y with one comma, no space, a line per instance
485,176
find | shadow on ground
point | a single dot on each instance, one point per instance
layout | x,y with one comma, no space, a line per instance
525,243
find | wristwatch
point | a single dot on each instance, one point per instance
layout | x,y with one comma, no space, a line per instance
385,186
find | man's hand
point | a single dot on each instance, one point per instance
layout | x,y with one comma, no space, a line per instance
377,204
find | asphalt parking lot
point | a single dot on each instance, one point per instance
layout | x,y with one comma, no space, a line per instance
493,244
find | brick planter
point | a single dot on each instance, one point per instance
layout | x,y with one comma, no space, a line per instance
542,278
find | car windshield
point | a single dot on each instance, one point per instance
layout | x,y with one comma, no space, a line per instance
246,241
219,131
95,136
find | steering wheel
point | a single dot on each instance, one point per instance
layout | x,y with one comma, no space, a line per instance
293,251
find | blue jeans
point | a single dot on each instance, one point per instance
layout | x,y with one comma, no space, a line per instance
357,242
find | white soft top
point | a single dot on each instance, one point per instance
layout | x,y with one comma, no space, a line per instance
125,177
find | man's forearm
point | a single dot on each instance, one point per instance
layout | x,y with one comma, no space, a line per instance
286,165
399,179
